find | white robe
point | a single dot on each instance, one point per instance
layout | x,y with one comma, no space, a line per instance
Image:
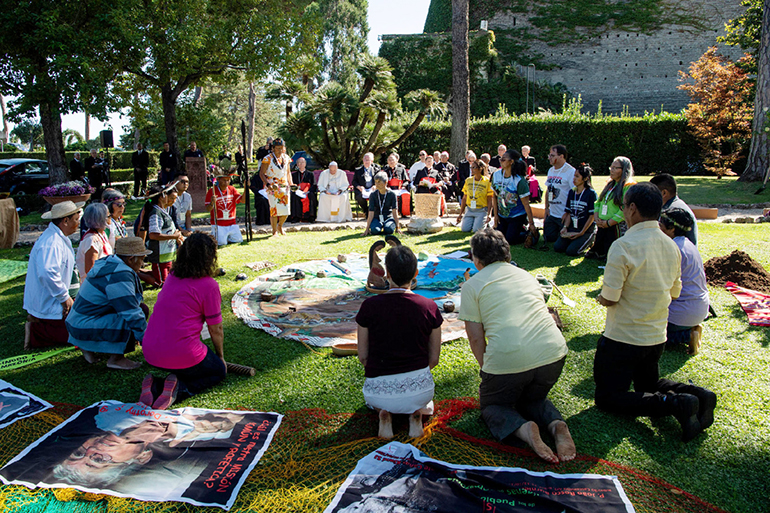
332,207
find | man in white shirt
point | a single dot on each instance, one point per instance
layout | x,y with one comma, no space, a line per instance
183,205
49,276
558,184
417,165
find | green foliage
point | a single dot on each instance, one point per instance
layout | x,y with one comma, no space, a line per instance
745,30
342,39
492,82
29,133
654,142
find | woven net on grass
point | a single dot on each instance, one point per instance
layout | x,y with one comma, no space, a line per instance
312,454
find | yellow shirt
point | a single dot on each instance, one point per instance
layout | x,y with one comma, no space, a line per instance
521,334
477,190
642,275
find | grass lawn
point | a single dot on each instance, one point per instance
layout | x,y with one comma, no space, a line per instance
727,466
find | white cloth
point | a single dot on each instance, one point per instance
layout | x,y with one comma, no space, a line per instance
414,169
559,183
406,392
227,234
334,208
183,205
97,241
49,274
333,183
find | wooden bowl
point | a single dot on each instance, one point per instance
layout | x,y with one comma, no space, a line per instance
449,306
345,349
266,296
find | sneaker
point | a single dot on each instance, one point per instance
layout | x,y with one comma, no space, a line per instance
147,398
168,396
685,410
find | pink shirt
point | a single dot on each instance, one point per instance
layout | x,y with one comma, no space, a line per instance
173,336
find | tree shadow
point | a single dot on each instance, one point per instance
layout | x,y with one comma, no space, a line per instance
586,271
342,238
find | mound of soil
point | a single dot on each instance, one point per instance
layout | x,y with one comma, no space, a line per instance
739,268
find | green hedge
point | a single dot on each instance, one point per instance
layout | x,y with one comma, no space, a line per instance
654,143
118,159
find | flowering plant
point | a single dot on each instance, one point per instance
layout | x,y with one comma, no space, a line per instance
74,188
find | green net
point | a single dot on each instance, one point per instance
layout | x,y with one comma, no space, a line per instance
312,454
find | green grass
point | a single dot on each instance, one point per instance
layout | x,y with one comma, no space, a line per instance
727,466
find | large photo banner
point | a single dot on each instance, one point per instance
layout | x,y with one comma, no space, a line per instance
398,478
191,455
17,404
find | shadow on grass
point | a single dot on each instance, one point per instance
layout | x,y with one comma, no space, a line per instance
352,236
587,271
583,343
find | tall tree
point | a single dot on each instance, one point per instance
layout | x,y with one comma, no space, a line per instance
460,106
30,132
759,153
52,59
343,38
169,47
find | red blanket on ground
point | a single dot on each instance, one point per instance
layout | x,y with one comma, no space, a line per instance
755,304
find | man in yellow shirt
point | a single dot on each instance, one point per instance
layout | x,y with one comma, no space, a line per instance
640,279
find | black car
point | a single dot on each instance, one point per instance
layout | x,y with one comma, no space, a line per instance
23,176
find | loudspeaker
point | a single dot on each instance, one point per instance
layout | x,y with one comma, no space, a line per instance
105,136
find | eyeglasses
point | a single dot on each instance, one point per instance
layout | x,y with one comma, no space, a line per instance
120,205
615,167
184,181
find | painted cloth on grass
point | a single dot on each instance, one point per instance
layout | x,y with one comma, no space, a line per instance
17,404
11,269
755,304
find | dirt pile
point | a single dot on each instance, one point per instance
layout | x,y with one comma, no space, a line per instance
739,268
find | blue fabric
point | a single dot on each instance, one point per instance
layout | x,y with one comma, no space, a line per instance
107,315
379,228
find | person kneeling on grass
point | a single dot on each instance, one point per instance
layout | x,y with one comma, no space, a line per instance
383,208
172,342
108,315
398,356
519,348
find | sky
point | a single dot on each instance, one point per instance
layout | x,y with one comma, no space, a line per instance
385,17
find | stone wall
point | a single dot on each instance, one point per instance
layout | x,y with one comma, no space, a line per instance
630,69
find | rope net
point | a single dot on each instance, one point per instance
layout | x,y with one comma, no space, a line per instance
312,454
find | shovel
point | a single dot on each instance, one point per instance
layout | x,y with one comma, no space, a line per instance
567,301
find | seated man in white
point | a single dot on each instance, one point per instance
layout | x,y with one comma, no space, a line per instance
333,198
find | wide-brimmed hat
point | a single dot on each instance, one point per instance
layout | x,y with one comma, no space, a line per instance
131,246
63,209
221,173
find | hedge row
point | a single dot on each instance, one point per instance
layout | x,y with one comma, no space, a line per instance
654,143
118,159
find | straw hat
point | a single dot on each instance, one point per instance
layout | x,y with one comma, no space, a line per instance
63,209
131,246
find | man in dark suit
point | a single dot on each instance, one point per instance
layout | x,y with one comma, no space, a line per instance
94,169
140,160
167,161
76,168
363,180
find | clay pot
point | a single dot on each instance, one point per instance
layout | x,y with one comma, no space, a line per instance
449,306
266,296
320,274
342,258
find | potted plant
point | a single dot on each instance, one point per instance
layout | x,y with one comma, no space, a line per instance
70,191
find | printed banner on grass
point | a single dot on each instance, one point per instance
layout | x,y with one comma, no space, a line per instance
17,404
399,478
191,455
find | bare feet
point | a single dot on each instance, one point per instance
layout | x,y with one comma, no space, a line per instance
415,425
565,446
120,362
386,425
89,356
530,433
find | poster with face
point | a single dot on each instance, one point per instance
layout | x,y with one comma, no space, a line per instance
397,478
17,404
191,455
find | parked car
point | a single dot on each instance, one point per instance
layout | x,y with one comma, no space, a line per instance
25,176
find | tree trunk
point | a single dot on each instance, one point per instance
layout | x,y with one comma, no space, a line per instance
88,127
197,96
250,115
5,117
168,99
759,154
50,119
460,105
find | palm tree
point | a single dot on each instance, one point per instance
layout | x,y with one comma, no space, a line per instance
71,136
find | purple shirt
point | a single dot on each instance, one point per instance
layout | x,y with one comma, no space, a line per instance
173,336
692,305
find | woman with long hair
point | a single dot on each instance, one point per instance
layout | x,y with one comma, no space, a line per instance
513,216
578,229
172,341
608,209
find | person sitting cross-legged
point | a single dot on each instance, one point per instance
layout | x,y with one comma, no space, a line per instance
383,208
172,341
398,356
108,316
519,348
641,278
